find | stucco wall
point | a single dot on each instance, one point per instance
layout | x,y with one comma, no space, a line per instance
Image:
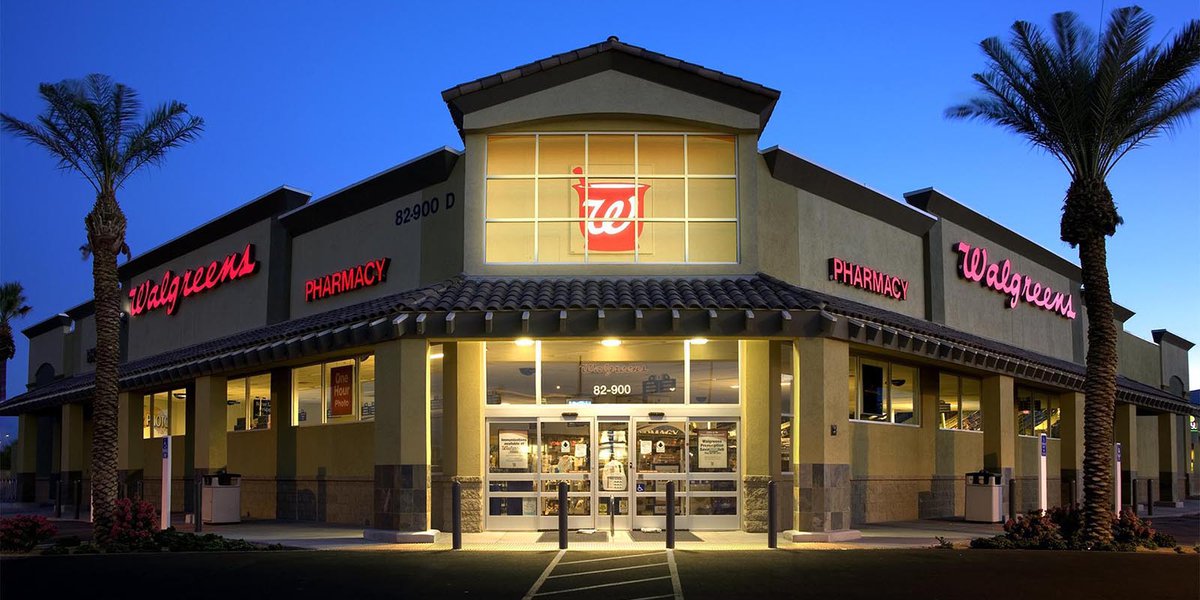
421,251
49,348
799,232
969,306
1139,359
232,307
1026,472
1147,457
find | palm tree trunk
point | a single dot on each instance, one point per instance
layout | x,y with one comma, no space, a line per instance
106,235
4,380
6,352
1100,392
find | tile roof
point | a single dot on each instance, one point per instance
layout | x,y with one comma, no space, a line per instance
612,44
479,294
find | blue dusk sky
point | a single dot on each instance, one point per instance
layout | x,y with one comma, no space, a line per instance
320,95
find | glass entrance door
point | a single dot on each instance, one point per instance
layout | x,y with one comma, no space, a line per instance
661,451
613,473
567,455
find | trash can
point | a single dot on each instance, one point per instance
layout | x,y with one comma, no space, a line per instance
222,498
984,498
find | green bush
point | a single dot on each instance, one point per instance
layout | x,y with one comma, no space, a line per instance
23,533
1061,528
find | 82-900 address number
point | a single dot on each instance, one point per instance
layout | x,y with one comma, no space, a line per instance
424,208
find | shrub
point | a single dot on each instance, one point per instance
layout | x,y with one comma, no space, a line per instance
999,542
23,533
56,550
180,541
1070,525
1131,530
134,524
1163,540
1035,530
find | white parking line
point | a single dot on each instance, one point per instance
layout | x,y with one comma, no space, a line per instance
575,562
538,584
606,570
675,583
602,585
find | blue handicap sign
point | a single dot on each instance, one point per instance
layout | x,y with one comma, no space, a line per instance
166,447
1043,444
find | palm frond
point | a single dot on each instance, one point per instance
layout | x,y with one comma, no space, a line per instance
168,126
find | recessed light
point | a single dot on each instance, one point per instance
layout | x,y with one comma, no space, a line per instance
523,342
699,341
436,356
610,342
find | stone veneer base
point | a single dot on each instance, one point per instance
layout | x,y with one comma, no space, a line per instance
400,537
842,535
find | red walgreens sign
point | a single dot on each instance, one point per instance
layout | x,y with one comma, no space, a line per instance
609,210
167,292
341,391
1000,277
365,275
866,278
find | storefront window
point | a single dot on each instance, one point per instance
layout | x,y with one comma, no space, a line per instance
512,447
1038,412
712,447
164,414
714,371
613,372
332,392
436,403
786,422
959,402
884,392
512,372
611,198
248,403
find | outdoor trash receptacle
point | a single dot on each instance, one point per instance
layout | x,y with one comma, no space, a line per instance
222,498
984,497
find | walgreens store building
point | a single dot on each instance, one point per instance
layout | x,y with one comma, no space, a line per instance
612,286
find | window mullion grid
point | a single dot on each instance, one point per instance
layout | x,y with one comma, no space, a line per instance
587,171
637,239
537,170
686,223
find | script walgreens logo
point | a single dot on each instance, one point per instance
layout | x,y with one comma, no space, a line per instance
609,210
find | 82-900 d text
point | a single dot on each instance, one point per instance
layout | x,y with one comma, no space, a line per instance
424,208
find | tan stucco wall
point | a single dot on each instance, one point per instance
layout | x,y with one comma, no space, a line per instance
1139,359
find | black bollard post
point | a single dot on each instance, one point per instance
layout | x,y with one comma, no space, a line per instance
78,496
1074,491
562,515
198,502
1012,499
138,487
670,514
456,513
1133,495
772,516
1149,497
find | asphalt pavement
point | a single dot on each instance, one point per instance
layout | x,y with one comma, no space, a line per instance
585,575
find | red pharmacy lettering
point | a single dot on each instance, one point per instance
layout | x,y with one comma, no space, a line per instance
365,275
866,278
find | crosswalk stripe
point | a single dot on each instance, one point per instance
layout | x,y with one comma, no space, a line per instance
602,585
606,570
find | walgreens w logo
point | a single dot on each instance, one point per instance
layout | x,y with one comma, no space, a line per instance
608,210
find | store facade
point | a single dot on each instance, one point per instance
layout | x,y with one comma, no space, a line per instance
611,287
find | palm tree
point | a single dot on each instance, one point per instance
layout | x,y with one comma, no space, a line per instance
1088,102
91,126
12,305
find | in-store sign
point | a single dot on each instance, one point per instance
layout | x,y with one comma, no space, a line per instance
168,291
973,265
341,391
608,211
367,274
866,278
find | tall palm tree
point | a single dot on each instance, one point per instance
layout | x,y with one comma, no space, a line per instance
1088,102
12,305
92,126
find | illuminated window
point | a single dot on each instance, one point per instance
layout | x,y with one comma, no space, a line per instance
611,198
612,371
248,403
787,421
882,392
341,391
164,414
959,402
1038,412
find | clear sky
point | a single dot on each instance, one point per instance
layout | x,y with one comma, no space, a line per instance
320,95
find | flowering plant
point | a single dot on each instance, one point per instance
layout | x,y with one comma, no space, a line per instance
23,533
134,523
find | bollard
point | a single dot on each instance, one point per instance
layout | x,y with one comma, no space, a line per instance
198,502
670,514
456,513
78,496
562,515
58,494
1133,495
1074,491
1012,499
772,516
1149,497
